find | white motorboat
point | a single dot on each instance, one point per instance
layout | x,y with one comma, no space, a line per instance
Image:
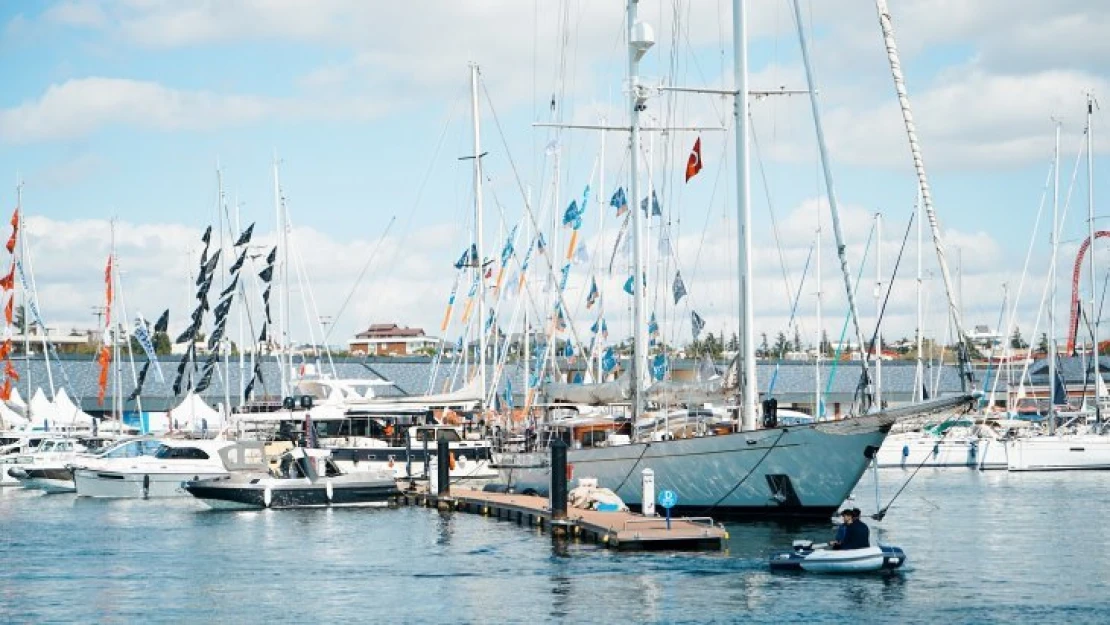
164,473
55,475
44,468
308,478
806,556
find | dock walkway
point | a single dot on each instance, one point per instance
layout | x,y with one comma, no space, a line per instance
625,531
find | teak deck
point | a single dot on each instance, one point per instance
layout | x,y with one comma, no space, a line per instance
625,531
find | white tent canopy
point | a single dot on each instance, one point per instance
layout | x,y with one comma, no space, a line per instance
10,419
43,412
16,403
194,414
68,412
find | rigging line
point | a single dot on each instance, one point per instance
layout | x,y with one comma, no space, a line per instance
790,321
749,473
1010,325
847,318
528,209
647,446
361,274
878,516
770,207
882,309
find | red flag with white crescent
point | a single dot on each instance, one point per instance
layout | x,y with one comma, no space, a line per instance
693,165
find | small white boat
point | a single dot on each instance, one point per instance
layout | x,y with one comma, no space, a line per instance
805,556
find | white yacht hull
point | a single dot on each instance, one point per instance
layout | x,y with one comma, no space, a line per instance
799,471
136,485
1059,453
911,452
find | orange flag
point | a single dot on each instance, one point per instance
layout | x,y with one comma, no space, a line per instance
10,371
6,390
5,349
693,165
15,219
11,243
8,309
8,282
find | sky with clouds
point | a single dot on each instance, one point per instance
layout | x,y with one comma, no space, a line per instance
122,110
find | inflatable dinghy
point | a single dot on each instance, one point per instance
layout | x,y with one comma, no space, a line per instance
805,556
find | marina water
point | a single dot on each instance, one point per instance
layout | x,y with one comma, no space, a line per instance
987,547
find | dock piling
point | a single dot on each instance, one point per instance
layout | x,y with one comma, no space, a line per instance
558,486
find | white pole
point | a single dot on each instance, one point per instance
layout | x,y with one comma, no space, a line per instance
1091,257
242,290
639,322
919,374
878,347
479,232
749,391
602,206
1052,297
818,413
830,187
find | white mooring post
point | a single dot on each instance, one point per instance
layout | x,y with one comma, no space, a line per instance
648,490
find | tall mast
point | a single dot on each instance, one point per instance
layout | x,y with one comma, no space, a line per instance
1091,256
887,27
279,203
22,255
222,221
919,374
640,39
830,187
601,207
878,347
748,389
1052,296
817,411
478,232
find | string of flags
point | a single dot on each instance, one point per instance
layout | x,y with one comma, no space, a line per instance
104,358
7,283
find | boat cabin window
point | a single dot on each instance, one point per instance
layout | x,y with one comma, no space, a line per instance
47,446
180,453
592,438
434,434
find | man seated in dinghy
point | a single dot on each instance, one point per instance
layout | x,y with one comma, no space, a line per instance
853,533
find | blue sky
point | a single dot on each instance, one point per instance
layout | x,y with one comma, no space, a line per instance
122,110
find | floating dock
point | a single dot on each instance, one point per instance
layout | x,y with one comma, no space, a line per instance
624,531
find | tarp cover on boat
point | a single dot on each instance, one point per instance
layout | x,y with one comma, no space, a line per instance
43,413
16,403
10,419
616,391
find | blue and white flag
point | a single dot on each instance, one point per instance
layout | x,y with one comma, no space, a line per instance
608,360
592,296
679,288
630,285
697,324
507,251
565,275
619,201
659,366
656,209
573,216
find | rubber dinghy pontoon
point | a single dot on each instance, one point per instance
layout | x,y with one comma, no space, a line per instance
820,559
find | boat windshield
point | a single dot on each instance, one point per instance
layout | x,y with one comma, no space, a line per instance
133,449
165,452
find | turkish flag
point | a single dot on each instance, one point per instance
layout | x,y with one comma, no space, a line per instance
693,165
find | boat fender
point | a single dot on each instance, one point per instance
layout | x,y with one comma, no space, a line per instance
905,451
570,471
391,462
451,461
972,449
936,449
462,462
146,486
267,496
329,490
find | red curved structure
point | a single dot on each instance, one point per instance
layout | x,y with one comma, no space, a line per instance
1073,323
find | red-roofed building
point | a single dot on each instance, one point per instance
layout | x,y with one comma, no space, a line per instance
390,339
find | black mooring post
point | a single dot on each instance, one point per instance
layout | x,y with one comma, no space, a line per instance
558,479
443,459
427,460
408,459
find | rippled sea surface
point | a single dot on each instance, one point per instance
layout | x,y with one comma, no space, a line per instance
983,548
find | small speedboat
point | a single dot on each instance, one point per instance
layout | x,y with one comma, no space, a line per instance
805,556
307,478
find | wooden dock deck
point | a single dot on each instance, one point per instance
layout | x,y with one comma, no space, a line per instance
625,531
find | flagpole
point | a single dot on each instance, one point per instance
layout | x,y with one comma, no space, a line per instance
601,207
